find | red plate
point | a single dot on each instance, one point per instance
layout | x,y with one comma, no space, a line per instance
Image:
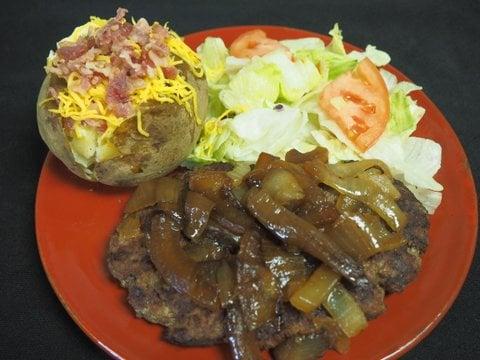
75,218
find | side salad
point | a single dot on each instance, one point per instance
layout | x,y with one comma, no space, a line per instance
270,96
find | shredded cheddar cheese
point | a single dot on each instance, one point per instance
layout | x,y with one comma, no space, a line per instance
80,105
163,90
82,30
179,48
139,124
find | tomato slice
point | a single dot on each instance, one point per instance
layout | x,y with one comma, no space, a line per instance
254,43
358,102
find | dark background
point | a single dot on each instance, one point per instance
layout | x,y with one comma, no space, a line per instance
435,43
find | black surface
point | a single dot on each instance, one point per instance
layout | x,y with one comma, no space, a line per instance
435,43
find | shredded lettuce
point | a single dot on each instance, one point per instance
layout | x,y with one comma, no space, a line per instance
406,87
297,78
212,144
415,160
270,104
338,64
423,158
304,44
378,57
404,111
401,119
213,54
389,78
234,64
256,85
268,130
215,105
331,64
337,151
332,60
336,44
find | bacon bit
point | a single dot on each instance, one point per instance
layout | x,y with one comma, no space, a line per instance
124,110
126,29
127,66
117,96
68,124
157,60
140,32
126,56
74,51
113,32
159,33
170,72
160,49
116,39
121,12
99,125
53,93
66,67
146,61
84,85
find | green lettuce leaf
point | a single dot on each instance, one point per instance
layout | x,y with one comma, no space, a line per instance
304,44
404,111
414,160
389,78
336,44
297,78
338,64
215,106
378,57
213,54
212,144
268,130
256,85
332,60
233,64
337,151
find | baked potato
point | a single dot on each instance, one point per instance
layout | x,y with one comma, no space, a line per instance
169,130
173,134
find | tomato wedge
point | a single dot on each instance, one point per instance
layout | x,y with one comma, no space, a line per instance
254,43
358,102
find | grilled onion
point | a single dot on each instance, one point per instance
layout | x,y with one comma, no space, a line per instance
362,190
310,296
197,212
292,229
344,309
175,266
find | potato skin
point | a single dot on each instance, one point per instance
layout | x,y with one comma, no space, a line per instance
173,135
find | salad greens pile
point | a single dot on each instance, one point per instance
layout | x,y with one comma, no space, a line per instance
270,104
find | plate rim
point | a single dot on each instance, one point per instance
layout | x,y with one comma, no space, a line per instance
395,354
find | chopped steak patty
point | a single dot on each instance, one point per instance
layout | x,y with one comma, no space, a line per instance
395,269
186,323
154,300
370,299
416,231
189,324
